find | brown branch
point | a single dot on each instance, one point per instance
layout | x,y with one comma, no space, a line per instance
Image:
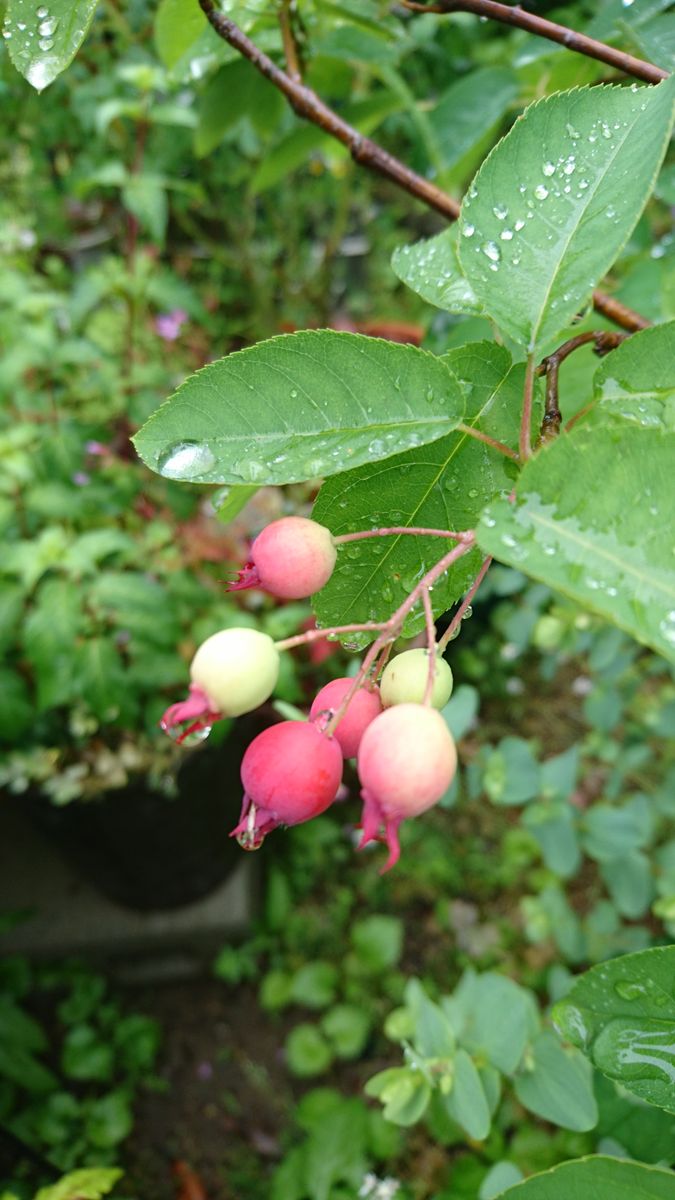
550,366
478,434
509,14
310,107
289,43
620,314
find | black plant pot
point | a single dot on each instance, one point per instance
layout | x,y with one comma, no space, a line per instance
146,850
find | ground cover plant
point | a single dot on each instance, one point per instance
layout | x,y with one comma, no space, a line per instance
535,432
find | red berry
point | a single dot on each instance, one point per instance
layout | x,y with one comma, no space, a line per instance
364,706
292,558
291,772
406,762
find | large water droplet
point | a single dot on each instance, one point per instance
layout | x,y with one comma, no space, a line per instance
548,169
541,192
186,460
469,230
491,250
501,212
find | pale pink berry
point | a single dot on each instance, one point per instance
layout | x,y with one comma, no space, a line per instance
233,672
291,772
363,707
292,558
405,677
406,762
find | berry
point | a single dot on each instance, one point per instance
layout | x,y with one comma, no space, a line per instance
404,680
406,762
232,672
363,707
291,772
292,558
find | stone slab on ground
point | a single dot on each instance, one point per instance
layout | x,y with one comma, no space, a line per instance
67,916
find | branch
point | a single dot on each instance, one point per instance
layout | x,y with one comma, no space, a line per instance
514,15
307,105
289,43
549,366
524,443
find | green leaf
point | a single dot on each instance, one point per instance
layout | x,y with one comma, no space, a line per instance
110,1120
557,1085
503,1175
553,825
466,1104
88,1184
466,115
307,1051
493,1018
609,548
404,1092
347,1029
19,1065
622,1014
230,501
444,486
512,774
314,984
630,883
16,711
178,24
597,1178
377,942
85,1055
532,250
432,1033
637,380
610,833
43,39
145,196
432,269
300,406
236,92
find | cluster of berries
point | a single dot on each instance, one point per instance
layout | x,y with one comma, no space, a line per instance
292,771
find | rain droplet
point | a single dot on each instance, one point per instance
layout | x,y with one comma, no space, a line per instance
47,28
186,460
501,212
46,43
628,989
541,192
42,12
506,235
547,169
491,250
667,627
518,225
469,230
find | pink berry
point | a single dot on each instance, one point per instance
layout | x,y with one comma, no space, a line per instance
292,558
407,761
291,772
364,706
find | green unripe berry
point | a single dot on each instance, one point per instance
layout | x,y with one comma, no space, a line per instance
237,669
404,680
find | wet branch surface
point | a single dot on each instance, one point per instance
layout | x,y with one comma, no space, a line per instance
310,107
514,15
605,340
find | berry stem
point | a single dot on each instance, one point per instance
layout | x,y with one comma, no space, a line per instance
431,646
395,530
315,635
457,619
489,441
391,629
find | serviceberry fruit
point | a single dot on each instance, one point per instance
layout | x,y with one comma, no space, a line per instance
404,680
232,672
363,707
292,558
406,762
291,772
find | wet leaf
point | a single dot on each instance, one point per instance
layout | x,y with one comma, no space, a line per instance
591,519
301,406
555,201
596,1178
637,380
622,1015
43,39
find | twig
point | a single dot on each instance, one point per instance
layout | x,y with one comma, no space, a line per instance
307,105
483,437
393,626
396,530
550,366
315,635
459,615
289,43
431,645
620,314
524,445
509,14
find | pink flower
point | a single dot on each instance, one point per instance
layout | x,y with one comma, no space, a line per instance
168,325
